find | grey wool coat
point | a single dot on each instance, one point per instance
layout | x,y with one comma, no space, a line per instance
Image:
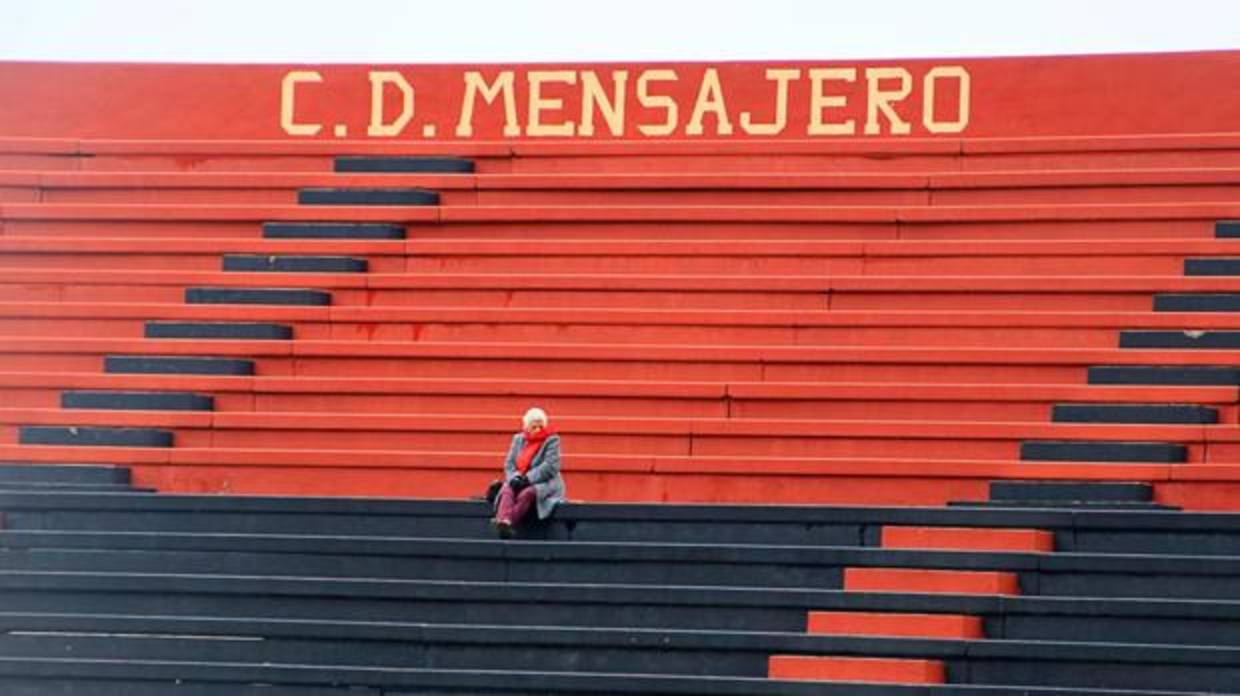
544,472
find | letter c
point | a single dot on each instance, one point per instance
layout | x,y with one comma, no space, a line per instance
288,89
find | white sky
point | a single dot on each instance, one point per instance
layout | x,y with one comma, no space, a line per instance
497,31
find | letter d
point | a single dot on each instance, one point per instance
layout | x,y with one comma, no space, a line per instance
379,80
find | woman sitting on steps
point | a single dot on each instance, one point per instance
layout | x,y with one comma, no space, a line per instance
531,474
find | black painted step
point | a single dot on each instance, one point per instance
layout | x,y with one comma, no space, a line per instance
1211,267
94,436
1071,491
1197,302
161,365
1089,530
1179,339
63,473
1102,451
1187,375
577,650
408,165
220,330
119,681
360,196
270,296
1093,573
137,401
1227,228
1049,505
721,524
332,230
1133,413
10,487
1192,622
294,264
69,676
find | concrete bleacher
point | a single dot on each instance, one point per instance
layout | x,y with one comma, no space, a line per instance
893,416
680,320
123,591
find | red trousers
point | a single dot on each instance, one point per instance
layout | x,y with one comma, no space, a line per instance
512,507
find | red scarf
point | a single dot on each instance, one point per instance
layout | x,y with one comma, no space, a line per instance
533,443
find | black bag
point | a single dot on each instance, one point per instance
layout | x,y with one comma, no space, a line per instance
493,491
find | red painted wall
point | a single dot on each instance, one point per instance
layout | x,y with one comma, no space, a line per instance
1008,97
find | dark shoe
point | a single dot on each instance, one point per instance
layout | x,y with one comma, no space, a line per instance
503,528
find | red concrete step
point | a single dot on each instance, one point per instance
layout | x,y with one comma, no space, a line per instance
149,286
838,257
1133,257
72,328
1082,284
822,401
278,188
247,225
930,581
648,190
136,261
13,194
171,214
157,195
431,291
520,365
617,478
896,625
1193,215
660,363
633,405
709,263
989,154
672,222
968,539
636,402
857,669
595,316
459,473
620,325
65,291
811,161
165,310
773,356
142,254
186,220
514,225
223,155
804,188
106,243
150,230
665,436
897,248
798,187
910,154
840,292
262,188
1044,299
1024,293
55,285
585,332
